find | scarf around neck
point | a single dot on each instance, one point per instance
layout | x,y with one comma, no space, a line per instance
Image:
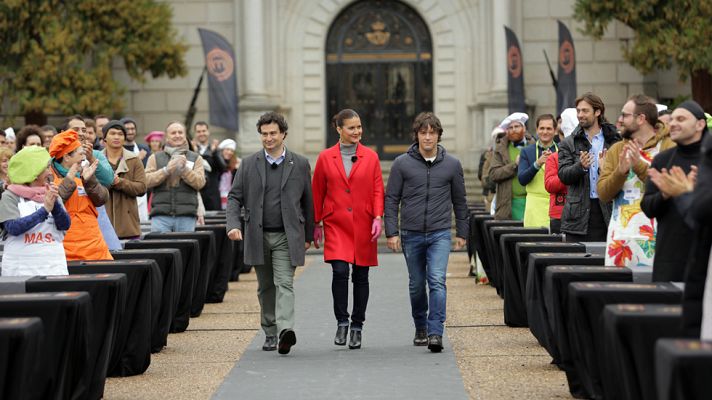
34,193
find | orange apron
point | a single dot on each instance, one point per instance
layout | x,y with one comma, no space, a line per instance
83,240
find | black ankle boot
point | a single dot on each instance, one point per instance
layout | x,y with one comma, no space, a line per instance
340,338
355,342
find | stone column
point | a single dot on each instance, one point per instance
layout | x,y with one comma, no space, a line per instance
254,96
500,17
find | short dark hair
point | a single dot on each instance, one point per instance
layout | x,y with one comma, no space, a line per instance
645,106
90,123
424,120
25,133
272,118
545,117
337,121
50,128
101,116
666,111
65,125
595,102
201,123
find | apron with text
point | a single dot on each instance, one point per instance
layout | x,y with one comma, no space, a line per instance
630,241
536,213
83,240
39,251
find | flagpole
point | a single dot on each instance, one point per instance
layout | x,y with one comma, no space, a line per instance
190,115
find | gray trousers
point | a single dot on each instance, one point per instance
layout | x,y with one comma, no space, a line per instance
275,285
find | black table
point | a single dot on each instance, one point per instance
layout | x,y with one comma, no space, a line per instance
479,239
225,252
20,340
206,248
108,293
556,303
472,236
537,315
64,369
586,303
683,368
131,352
515,311
170,263
491,247
190,254
630,333
496,234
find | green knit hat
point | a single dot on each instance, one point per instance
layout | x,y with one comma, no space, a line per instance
27,164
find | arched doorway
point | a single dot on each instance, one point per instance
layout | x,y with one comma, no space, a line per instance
379,63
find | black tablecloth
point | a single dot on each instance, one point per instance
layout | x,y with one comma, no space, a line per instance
108,293
473,245
496,234
20,341
491,247
206,248
556,303
170,263
64,369
537,315
190,254
225,252
131,353
515,311
630,333
683,368
586,303
524,249
479,237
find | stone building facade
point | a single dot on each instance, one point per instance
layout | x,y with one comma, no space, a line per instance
306,58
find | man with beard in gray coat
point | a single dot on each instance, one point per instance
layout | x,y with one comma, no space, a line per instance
273,186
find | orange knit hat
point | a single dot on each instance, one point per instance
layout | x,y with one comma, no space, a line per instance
63,144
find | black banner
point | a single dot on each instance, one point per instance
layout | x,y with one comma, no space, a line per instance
566,88
515,73
222,81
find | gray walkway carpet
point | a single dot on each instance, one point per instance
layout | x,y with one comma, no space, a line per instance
387,366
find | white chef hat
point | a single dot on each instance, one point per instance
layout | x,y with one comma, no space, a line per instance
10,133
661,107
520,117
227,144
569,121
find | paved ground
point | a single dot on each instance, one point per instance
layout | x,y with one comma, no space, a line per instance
495,362
387,366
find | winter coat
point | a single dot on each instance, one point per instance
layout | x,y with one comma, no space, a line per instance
347,206
424,195
574,217
502,171
121,205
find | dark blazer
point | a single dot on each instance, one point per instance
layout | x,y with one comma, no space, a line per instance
574,217
297,207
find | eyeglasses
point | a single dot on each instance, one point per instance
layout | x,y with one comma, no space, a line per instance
624,115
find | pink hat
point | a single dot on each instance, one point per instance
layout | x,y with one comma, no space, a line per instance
155,135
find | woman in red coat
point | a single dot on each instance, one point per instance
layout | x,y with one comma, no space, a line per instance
348,199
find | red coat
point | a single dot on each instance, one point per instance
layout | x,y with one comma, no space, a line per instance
348,206
557,190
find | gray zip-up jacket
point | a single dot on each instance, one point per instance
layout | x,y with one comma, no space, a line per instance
426,194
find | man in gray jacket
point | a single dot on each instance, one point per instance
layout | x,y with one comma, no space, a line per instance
273,186
425,183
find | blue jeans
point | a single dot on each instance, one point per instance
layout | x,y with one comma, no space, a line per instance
165,223
426,254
